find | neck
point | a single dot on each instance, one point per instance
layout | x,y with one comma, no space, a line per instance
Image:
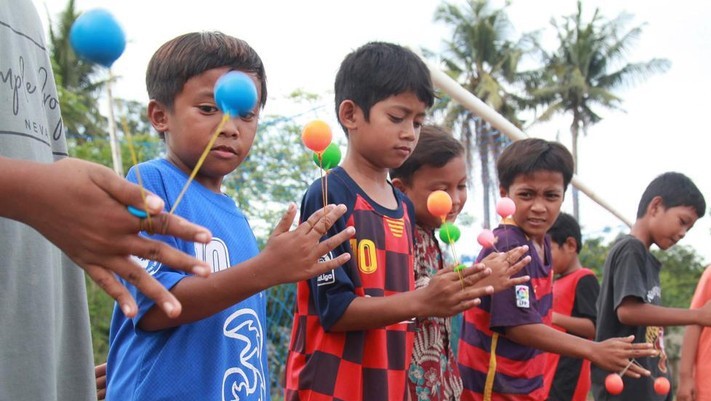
574,266
639,230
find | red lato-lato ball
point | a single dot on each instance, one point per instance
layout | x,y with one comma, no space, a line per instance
661,386
613,384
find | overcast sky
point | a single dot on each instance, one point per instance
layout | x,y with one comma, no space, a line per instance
302,43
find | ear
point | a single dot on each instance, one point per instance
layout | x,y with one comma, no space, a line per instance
503,192
656,205
158,115
571,244
347,114
397,183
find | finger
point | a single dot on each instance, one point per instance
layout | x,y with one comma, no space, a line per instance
100,370
518,280
323,222
637,371
516,253
334,241
476,277
479,292
176,226
516,267
125,192
108,282
135,275
475,269
158,251
286,220
334,263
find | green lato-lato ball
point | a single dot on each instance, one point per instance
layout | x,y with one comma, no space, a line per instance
460,267
330,157
449,233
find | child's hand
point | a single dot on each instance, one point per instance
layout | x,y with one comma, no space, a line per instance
100,374
503,266
614,355
294,255
448,294
686,390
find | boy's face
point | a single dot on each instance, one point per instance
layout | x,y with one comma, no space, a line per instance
389,136
191,123
451,178
538,197
668,226
563,255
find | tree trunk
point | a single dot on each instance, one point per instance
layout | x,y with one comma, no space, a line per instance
574,131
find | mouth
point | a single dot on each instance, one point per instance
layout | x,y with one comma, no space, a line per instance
224,151
404,150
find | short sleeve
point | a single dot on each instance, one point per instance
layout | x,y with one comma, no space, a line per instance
586,294
334,291
629,273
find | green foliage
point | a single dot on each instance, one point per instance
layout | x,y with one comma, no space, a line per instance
277,171
101,307
681,270
483,59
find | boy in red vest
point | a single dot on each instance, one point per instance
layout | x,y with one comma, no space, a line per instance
575,292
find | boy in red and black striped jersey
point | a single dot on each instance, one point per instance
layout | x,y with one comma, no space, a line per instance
504,339
353,327
575,292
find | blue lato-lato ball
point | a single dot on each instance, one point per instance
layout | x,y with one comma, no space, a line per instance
235,93
97,36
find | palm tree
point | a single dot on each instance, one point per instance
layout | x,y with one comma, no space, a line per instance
584,71
77,83
482,59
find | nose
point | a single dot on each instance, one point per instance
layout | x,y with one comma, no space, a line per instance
409,132
229,128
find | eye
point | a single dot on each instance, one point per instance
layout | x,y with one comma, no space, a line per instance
207,108
248,116
395,119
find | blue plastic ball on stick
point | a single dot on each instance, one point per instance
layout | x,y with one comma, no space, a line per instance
235,93
97,36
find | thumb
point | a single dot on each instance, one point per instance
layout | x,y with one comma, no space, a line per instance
286,220
125,192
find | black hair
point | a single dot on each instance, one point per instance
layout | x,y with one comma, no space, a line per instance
436,147
191,54
527,156
378,70
675,189
566,226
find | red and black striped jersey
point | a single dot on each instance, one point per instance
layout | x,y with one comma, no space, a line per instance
493,367
367,365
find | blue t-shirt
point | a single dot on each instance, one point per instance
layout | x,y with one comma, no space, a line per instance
221,357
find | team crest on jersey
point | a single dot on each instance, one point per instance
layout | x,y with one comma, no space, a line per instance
326,278
522,297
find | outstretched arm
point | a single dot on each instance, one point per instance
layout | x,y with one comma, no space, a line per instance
633,312
581,326
81,208
612,354
289,256
444,296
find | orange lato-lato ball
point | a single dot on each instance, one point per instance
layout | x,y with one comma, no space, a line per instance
316,135
661,385
614,384
439,203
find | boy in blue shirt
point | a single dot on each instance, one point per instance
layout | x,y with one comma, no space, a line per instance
216,348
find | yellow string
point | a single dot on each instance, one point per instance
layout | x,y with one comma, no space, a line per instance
200,161
134,159
489,384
